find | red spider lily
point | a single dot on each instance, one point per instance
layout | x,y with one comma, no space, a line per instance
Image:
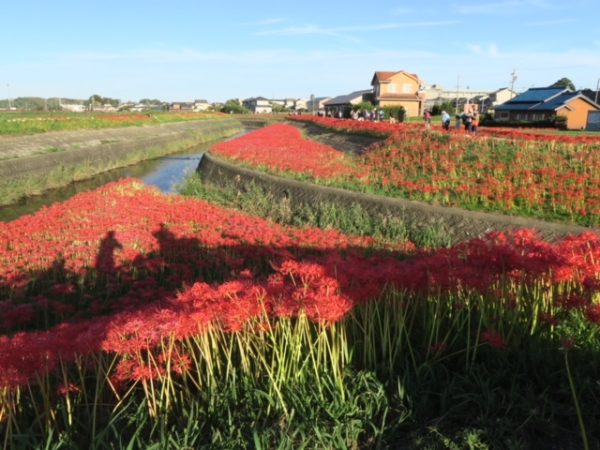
182,265
493,339
67,389
508,170
281,147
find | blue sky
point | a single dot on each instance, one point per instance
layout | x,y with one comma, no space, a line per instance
183,50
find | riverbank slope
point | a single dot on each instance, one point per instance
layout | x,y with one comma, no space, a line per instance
31,164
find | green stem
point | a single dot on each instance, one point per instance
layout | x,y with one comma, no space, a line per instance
586,445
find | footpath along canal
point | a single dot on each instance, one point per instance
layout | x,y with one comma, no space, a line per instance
165,172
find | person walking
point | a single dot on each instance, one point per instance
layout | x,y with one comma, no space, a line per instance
474,122
427,117
467,121
458,122
445,120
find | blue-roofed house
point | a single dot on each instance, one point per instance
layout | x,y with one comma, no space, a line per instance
545,104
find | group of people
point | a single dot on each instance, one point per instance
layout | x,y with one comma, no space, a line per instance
469,119
356,114
359,114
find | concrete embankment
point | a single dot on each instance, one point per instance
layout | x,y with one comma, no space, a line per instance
31,164
455,224
24,154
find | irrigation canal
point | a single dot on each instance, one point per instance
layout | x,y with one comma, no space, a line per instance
165,173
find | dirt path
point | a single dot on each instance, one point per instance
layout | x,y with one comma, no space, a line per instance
351,143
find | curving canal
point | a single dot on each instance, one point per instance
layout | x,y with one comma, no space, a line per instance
166,173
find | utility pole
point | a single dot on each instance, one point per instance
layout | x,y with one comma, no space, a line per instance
457,86
597,89
8,93
513,78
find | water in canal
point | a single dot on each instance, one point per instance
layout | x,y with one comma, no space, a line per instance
165,173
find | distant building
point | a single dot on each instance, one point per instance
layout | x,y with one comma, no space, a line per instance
540,104
484,101
317,105
291,104
76,107
399,89
342,104
181,106
592,95
201,105
258,105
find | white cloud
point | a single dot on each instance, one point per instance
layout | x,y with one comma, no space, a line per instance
180,73
268,21
491,50
504,7
550,23
402,11
307,30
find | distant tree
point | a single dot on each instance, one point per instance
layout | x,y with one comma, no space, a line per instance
150,101
449,107
364,106
277,108
98,100
396,112
234,106
564,83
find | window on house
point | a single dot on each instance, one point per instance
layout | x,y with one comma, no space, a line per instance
407,88
504,115
392,88
520,116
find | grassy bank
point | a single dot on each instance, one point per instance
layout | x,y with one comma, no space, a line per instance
351,219
15,124
92,161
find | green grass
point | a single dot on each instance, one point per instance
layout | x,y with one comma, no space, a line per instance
373,380
351,219
14,189
15,124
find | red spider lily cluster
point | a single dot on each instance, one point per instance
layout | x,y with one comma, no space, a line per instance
383,129
120,269
282,147
545,179
546,176
388,129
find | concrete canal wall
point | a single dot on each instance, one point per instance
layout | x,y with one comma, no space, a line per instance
454,223
40,154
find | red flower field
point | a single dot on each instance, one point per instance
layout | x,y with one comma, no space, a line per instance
282,147
119,269
550,177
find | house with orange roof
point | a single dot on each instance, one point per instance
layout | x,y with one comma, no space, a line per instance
399,89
